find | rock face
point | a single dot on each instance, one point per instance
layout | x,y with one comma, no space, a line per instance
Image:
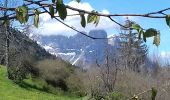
78,49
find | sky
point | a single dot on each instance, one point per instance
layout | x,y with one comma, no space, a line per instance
50,26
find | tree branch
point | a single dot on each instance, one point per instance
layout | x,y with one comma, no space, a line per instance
43,5
148,15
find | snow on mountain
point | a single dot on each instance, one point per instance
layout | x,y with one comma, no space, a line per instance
77,49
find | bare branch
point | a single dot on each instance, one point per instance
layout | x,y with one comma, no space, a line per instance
117,22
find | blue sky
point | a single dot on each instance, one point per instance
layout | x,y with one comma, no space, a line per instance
139,6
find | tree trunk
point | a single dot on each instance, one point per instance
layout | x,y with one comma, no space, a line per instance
7,51
7,42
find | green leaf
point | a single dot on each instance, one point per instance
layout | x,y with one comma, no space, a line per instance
93,18
136,27
24,10
53,1
83,20
140,33
59,1
156,40
22,14
144,38
62,11
26,18
36,18
168,20
154,93
151,32
51,9
97,20
18,13
90,18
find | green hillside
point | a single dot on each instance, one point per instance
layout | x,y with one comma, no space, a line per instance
12,91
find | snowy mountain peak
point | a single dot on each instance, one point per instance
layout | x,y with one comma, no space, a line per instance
78,49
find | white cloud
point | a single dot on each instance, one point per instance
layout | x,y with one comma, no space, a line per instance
165,55
52,27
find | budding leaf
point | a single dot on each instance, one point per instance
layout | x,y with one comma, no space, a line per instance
156,40
168,20
93,18
151,32
22,14
90,18
36,18
59,1
61,8
136,27
144,38
140,33
83,20
97,20
51,9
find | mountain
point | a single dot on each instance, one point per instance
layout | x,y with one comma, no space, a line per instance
78,49
21,45
23,53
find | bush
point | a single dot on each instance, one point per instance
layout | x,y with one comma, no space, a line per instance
61,76
75,85
20,70
55,72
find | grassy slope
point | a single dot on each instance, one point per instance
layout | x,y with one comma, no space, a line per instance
11,91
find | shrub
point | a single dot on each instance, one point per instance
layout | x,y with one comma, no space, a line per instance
55,72
76,85
19,70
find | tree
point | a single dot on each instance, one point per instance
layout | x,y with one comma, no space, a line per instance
7,40
133,50
7,28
